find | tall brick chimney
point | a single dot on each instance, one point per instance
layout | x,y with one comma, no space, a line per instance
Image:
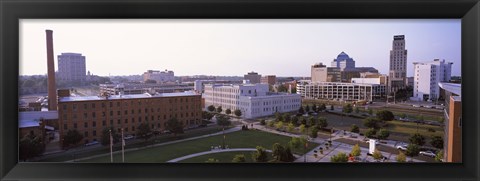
52,92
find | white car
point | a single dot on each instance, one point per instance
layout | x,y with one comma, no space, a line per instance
128,137
428,153
91,143
402,147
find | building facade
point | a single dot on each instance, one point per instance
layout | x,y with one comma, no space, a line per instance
159,76
322,73
452,151
427,75
269,79
71,67
398,63
253,100
253,77
91,114
343,61
140,88
341,91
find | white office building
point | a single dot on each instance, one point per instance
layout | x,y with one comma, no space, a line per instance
253,100
341,91
71,67
427,75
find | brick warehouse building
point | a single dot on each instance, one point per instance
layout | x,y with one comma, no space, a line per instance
91,114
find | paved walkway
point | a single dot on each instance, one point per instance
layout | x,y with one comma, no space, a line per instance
162,144
213,151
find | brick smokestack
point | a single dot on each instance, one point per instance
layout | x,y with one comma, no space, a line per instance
52,92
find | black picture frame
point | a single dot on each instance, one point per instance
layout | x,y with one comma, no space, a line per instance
11,11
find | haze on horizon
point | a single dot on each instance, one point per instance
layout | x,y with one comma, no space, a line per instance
235,47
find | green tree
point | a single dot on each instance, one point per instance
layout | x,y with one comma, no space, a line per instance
73,137
417,139
270,123
211,108
385,115
439,156
403,115
295,120
278,116
219,109
383,134
144,131
370,111
281,153
303,120
260,155
314,108
239,158
297,142
311,121
279,125
302,128
314,132
322,122
105,140
377,155
237,113
307,108
262,122
355,129
401,157
223,120
282,88
357,110
356,151
347,109
370,133
339,158
174,126
228,111
437,142
286,117
300,110
206,115
290,127
412,150
323,107
370,123
30,146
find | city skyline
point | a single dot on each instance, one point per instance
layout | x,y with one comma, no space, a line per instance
235,47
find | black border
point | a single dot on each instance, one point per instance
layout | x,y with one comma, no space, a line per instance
11,11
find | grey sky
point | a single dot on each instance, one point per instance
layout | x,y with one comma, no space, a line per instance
235,47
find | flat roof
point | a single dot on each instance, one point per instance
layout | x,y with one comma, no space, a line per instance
129,96
451,87
31,118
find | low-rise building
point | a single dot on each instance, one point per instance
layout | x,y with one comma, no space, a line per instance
253,100
159,76
269,79
37,122
91,114
253,77
322,73
341,91
140,88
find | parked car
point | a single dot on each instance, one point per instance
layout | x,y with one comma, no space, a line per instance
91,143
428,153
128,137
402,147
416,105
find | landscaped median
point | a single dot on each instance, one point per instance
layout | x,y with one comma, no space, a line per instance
238,139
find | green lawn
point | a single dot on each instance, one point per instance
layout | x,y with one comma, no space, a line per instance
82,152
225,157
239,139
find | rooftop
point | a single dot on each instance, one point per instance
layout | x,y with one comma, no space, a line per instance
451,87
131,96
32,118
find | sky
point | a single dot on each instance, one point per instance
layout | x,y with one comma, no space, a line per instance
233,47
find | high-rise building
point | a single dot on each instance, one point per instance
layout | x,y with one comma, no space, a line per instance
427,75
71,67
253,77
159,76
322,73
343,61
398,63
452,93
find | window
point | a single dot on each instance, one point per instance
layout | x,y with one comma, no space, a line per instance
84,106
85,116
93,114
85,125
126,120
104,123
133,120
94,133
75,125
118,121
111,104
93,105
86,133
74,107
94,124
65,126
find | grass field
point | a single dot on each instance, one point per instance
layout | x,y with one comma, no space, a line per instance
86,152
225,157
239,139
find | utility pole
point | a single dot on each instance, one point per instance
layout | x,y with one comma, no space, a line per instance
111,147
123,147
